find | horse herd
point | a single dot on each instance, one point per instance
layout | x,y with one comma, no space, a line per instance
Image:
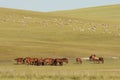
54,61
41,61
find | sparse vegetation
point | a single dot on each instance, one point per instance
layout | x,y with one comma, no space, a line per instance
34,34
26,33
72,71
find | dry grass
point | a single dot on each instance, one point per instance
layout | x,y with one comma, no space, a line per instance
72,71
26,33
34,34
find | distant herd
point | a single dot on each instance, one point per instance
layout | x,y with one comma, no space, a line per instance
55,61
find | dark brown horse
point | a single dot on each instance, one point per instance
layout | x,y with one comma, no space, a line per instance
34,61
101,59
65,60
58,61
79,60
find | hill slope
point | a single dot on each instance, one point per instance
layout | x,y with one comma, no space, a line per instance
27,33
103,13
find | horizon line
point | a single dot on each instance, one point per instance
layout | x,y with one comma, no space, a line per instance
59,10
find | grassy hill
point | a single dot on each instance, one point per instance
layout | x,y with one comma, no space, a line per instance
60,34
109,14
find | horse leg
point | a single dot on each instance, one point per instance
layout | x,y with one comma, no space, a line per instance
17,62
102,61
61,63
81,62
98,61
94,61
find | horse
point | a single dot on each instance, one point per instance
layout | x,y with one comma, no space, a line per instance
34,61
79,60
101,59
91,57
49,61
31,61
58,61
65,60
19,60
40,61
28,60
98,60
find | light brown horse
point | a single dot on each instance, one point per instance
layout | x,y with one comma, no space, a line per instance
49,61
28,60
40,61
31,61
19,60
79,60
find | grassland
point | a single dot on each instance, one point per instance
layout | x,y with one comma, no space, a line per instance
105,14
72,71
76,33
24,33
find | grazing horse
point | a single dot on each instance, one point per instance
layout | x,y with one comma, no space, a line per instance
65,60
34,61
49,61
90,58
97,60
58,61
40,61
19,60
78,60
28,60
101,59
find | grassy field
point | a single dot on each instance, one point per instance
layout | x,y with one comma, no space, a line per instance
105,14
24,33
72,71
71,34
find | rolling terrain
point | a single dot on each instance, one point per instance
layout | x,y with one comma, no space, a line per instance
105,14
71,34
60,34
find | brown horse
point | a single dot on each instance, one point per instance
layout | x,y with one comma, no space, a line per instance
19,60
91,57
49,61
34,61
65,60
58,61
98,60
101,59
78,60
28,60
40,61
31,61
